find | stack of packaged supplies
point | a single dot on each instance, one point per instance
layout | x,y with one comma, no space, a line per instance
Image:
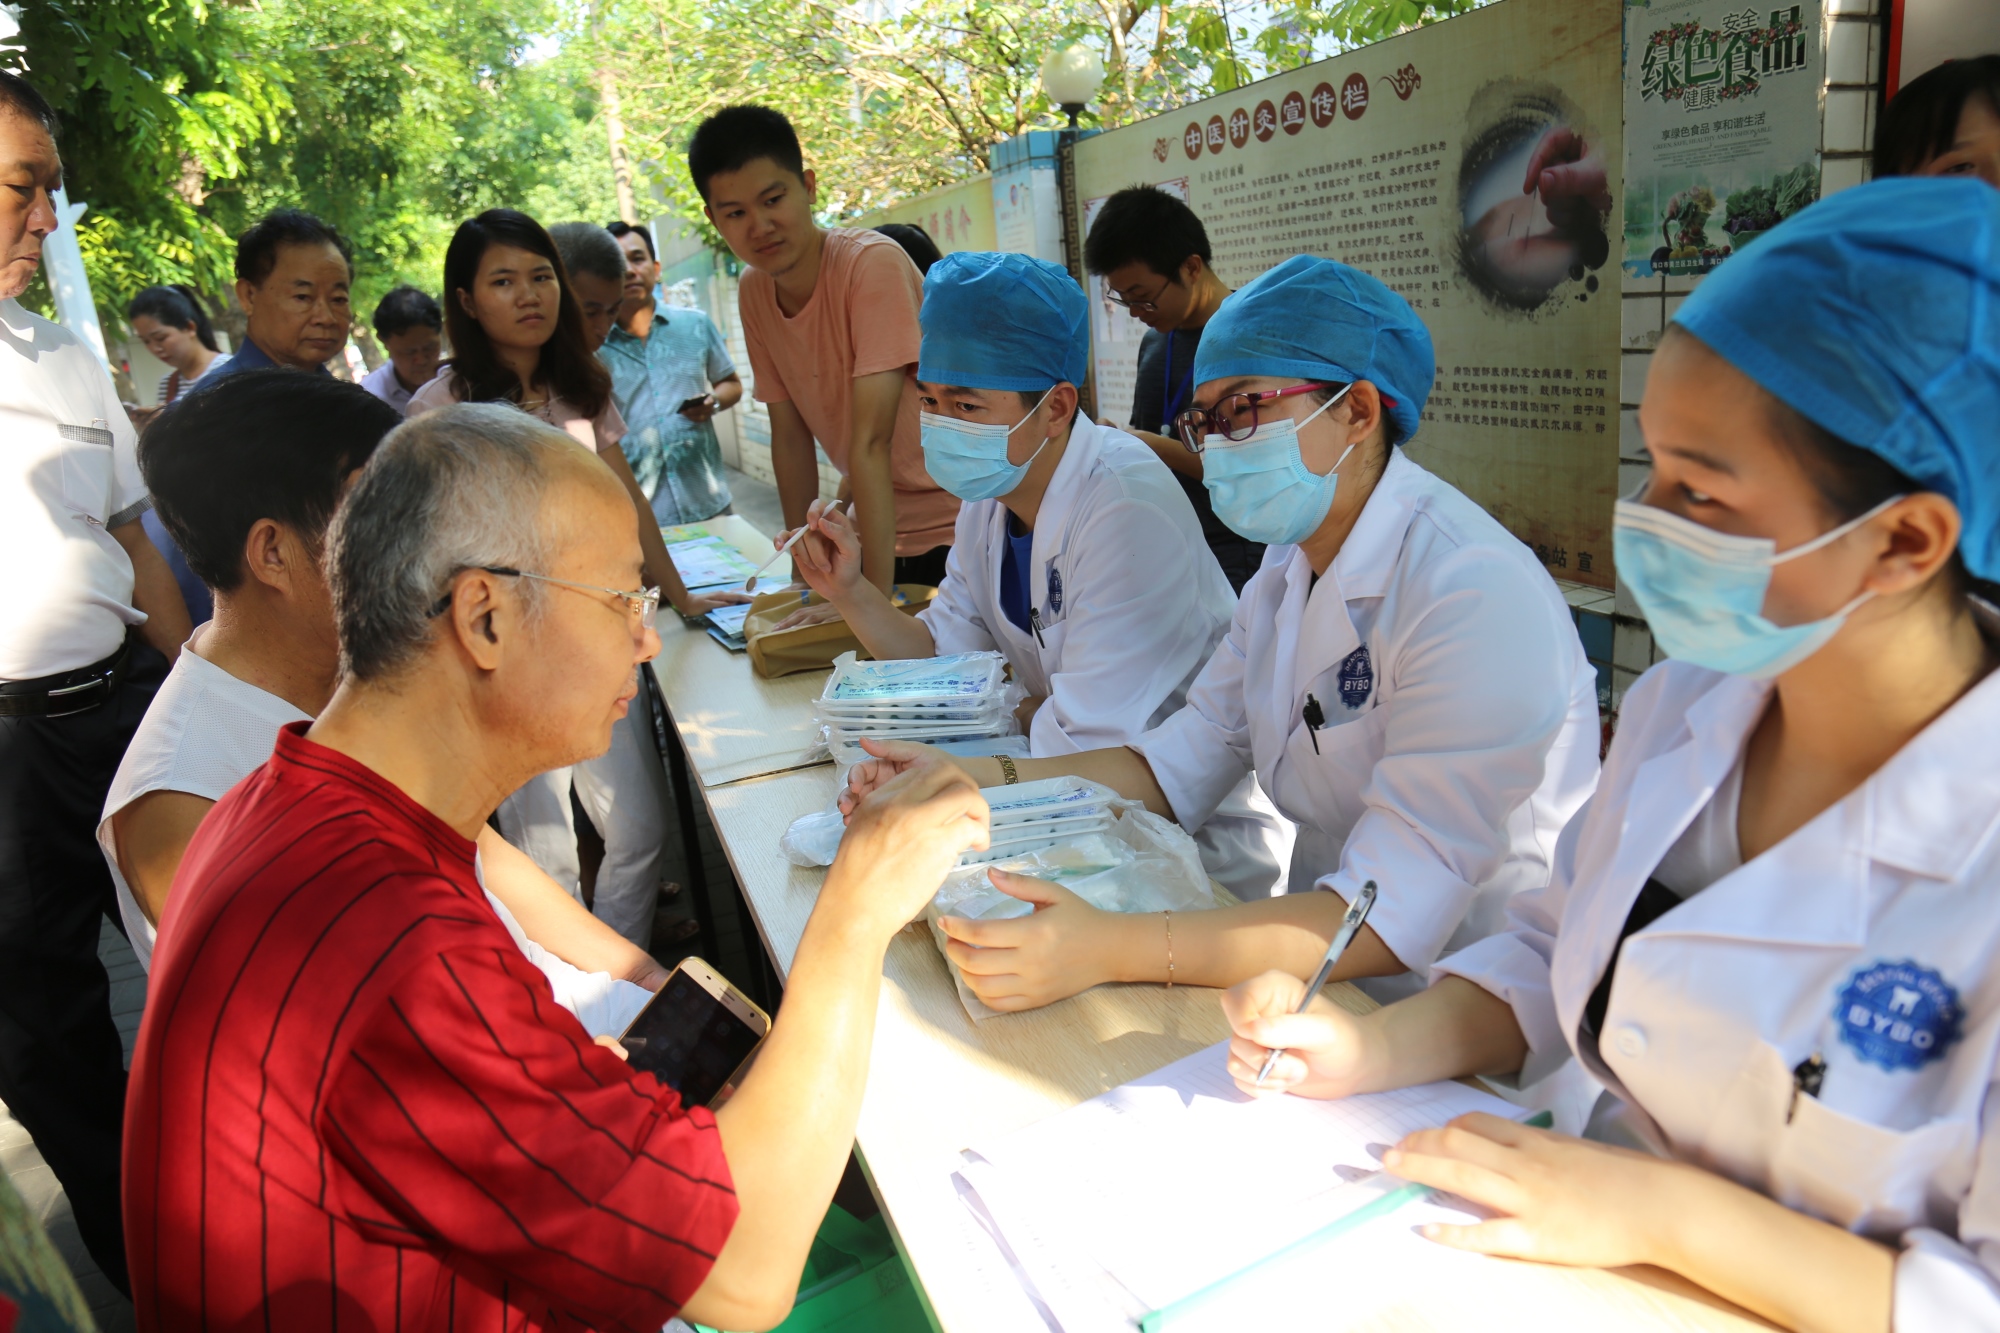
1030,816
925,699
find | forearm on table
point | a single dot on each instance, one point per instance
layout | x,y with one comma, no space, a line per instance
1119,767
874,507
789,1128
884,631
1794,1270
660,571
550,917
154,592
1231,944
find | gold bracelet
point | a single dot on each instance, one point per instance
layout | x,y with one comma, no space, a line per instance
1170,950
1007,771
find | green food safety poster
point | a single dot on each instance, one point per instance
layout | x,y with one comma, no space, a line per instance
1722,127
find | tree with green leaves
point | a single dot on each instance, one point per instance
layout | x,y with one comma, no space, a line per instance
183,120
162,104
891,101
391,119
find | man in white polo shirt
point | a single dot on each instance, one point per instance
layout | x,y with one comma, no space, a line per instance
90,616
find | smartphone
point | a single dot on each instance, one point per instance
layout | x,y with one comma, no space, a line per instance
696,1035
695,401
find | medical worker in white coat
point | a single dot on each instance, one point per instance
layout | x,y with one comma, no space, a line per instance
1773,934
1401,674
1076,555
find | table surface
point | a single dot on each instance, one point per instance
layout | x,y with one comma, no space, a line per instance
734,723
939,1082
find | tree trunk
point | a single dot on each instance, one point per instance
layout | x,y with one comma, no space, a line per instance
614,133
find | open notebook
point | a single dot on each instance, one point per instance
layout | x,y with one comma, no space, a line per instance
1153,1191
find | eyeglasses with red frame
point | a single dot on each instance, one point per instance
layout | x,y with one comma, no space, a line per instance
1234,418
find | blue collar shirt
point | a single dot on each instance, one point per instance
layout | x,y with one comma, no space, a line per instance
678,462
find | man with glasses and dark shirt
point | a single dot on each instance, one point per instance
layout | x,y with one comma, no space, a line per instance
1152,252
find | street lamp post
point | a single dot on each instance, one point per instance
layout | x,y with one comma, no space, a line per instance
1070,76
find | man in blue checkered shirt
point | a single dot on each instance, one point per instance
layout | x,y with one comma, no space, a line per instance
670,375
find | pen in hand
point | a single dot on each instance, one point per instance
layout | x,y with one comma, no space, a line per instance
1350,926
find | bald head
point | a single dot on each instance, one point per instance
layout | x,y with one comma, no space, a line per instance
472,486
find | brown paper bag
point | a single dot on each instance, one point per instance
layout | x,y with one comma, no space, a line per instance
776,652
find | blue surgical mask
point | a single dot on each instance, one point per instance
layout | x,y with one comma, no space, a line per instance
1703,590
969,458
1261,486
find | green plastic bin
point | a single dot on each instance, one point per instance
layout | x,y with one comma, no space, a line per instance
854,1282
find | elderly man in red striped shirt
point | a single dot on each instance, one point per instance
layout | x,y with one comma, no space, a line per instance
355,1102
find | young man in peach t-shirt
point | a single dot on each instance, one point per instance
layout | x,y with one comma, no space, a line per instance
830,317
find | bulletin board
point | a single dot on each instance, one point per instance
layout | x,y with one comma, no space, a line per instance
1407,159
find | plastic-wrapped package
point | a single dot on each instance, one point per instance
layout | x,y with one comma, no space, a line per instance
1141,863
1113,853
814,839
1026,817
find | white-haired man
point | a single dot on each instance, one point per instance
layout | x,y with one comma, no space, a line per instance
349,1072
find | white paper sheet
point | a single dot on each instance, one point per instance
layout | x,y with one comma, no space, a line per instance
1153,1190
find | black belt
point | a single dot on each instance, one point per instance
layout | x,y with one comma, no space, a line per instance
71,692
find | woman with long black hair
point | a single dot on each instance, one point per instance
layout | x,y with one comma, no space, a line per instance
517,336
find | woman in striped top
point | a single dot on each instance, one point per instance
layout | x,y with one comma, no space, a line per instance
173,326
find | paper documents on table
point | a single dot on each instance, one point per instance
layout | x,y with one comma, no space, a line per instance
708,562
1151,1192
725,625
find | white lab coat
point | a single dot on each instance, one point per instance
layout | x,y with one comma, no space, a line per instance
1460,715
1131,603
1873,913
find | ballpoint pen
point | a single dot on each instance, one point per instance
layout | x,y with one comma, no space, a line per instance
750,584
1350,926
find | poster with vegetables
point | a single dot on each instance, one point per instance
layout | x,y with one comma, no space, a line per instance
1722,127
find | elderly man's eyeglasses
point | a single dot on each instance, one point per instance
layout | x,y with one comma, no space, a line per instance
642,605
1234,418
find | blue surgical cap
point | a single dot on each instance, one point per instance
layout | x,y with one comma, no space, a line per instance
1002,321
1875,314
1321,320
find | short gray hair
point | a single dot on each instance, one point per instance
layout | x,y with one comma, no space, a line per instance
586,247
454,489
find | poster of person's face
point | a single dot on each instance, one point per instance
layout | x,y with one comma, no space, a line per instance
1473,167
1534,197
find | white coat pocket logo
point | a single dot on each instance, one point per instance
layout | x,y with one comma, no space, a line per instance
1898,1016
1055,592
1357,678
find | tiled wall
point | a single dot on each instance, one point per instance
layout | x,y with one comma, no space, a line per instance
1853,69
